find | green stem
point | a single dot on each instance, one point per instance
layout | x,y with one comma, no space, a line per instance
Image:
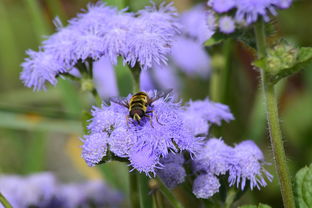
136,71
134,190
274,125
168,194
5,202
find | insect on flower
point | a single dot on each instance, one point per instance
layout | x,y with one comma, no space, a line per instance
140,105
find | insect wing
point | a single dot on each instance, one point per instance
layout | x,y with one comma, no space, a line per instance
120,101
161,94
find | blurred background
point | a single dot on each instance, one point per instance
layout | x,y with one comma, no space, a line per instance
40,131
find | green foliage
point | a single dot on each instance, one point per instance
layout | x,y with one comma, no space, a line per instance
284,60
303,187
255,206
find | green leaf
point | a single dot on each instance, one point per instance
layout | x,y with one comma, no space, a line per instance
255,206
303,187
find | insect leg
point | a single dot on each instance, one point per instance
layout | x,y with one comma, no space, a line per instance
151,119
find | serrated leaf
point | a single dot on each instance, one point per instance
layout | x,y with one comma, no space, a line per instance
255,206
303,187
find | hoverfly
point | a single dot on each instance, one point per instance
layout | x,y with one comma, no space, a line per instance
138,105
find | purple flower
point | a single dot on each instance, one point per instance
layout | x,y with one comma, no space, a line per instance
39,68
198,23
62,46
104,78
101,195
205,186
226,24
145,143
173,172
151,35
210,111
222,5
162,77
249,10
247,164
34,190
94,148
214,158
190,57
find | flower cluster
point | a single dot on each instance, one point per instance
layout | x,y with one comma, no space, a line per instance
242,163
187,53
246,11
44,191
143,38
142,144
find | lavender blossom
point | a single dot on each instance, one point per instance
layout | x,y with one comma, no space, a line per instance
226,24
173,172
96,189
248,11
247,164
214,158
34,190
161,78
205,186
190,56
39,68
94,148
198,24
104,78
144,38
221,5
145,143
62,46
210,111
151,35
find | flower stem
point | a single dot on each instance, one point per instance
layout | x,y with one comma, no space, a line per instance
274,125
135,71
5,202
134,190
171,198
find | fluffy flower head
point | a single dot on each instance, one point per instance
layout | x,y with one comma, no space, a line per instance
247,165
144,143
205,186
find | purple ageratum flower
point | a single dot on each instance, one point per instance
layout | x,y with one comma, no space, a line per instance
61,46
151,35
160,78
222,5
98,13
173,172
39,68
34,190
104,78
190,56
226,24
249,10
116,37
205,186
71,195
161,19
214,158
210,111
198,23
247,164
95,190
94,148
172,175
146,143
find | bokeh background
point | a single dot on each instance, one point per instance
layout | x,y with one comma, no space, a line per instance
39,131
